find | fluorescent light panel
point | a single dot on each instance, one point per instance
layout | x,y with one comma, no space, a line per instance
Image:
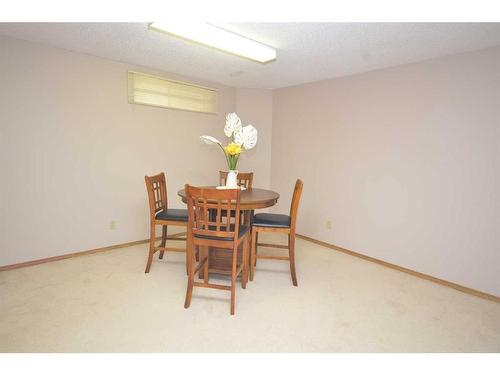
216,37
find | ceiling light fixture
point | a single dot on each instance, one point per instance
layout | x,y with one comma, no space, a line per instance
216,37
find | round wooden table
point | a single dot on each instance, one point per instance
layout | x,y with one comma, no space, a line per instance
250,199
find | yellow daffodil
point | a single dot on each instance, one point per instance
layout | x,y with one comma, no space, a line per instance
233,149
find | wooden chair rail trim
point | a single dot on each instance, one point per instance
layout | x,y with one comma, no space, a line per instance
200,265
239,270
220,243
211,233
219,271
272,257
176,238
176,223
271,229
77,254
169,238
172,249
449,284
212,286
273,245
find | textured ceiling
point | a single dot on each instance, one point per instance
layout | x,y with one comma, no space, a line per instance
306,51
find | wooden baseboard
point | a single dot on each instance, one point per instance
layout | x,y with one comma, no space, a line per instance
449,284
79,253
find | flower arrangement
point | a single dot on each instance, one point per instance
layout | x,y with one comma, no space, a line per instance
232,151
243,138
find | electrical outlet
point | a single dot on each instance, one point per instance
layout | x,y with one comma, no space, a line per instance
328,224
112,224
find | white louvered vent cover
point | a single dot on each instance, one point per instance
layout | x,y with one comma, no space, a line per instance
161,92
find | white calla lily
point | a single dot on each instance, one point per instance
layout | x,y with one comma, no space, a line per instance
247,137
209,140
243,137
233,124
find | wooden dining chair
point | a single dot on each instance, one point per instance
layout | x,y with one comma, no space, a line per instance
206,231
277,223
243,179
160,214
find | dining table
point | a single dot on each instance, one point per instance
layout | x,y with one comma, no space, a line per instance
251,199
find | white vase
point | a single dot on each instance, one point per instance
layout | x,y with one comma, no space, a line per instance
231,181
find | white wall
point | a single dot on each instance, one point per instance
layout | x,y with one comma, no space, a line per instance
405,162
255,106
74,153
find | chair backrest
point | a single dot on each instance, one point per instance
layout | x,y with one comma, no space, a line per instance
297,193
205,206
157,193
243,179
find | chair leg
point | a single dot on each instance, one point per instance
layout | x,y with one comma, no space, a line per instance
151,248
191,268
247,217
291,250
188,250
163,239
233,278
201,256
244,276
205,267
256,242
252,253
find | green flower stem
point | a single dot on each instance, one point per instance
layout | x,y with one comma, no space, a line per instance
236,161
225,155
233,161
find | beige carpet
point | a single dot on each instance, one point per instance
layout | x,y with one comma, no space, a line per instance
105,303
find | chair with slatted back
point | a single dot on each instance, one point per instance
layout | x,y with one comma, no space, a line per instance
206,231
160,214
243,179
277,223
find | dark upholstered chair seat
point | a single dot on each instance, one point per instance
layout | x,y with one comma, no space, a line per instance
174,214
242,231
271,220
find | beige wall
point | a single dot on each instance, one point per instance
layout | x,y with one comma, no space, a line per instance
255,106
405,162
74,153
